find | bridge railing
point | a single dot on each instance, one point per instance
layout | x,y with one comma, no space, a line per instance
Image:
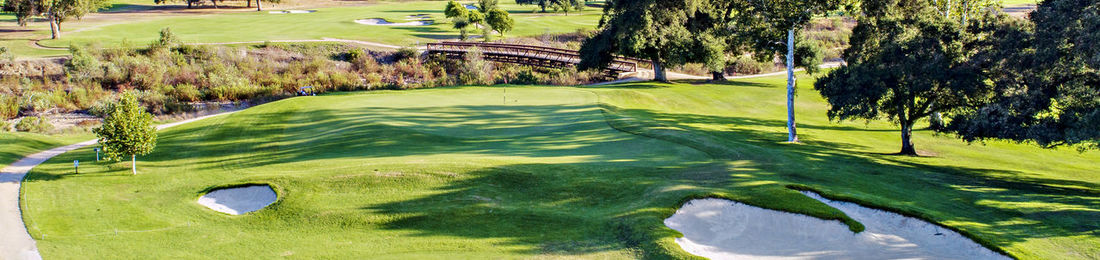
528,54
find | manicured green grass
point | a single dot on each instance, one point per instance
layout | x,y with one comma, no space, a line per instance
336,22
16,145
573,172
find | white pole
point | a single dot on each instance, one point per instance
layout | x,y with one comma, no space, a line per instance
133,164
792,136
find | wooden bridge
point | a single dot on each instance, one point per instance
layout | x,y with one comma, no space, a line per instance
531,55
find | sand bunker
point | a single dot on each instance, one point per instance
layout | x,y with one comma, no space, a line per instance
723,229
292,12
380,21
239,200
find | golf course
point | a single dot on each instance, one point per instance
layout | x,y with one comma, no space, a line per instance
549,129
522,172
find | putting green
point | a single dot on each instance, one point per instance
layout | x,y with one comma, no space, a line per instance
573,172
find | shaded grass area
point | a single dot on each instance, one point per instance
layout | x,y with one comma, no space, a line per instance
333,22
489,172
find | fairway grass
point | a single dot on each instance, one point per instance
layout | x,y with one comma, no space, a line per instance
333,22
520,172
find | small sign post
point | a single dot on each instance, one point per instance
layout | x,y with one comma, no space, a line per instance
96,153
76,166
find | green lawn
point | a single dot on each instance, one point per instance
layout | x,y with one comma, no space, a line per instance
16,145
336,22
571,172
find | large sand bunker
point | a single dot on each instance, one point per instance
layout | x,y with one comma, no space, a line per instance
723,229
239,200
380,21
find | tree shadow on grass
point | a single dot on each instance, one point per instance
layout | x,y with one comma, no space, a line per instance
538,205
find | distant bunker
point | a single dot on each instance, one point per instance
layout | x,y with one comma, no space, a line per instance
383,22
239,200
292,12
724,229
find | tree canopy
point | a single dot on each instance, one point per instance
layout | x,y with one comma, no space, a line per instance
905,62
461,17
500,21
127,130
631,28
563,5
1047,76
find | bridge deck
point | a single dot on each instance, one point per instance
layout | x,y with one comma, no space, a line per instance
532,55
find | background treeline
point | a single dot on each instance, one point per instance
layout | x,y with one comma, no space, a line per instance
169,77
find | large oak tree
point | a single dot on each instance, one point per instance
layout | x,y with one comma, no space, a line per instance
649,29
1047,77
905,63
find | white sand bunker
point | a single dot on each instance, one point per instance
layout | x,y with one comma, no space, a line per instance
723,229
239,200
380,21
292,12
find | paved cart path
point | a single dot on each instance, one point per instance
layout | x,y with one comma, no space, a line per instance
15,242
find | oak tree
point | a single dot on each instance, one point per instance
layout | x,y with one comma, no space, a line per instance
905,62
1046,71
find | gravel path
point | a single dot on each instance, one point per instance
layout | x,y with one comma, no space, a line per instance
15,242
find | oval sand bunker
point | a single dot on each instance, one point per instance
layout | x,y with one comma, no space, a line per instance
723,229
239,200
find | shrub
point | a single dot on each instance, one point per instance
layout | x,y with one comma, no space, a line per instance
83,66
34,124
153,101
525,76
405,53
475,70
746,64
9,106
185,93
36,101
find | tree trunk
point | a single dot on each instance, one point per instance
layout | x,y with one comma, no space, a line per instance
659,71
543,8
907,139
717,76
55,28
133,164
792,133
